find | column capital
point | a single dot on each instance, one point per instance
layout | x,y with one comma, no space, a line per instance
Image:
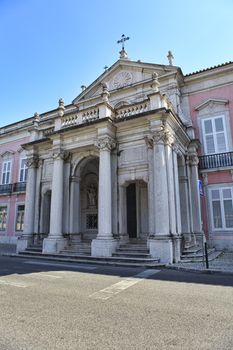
106,143
192,159
59,154
149,141
163,136
32,162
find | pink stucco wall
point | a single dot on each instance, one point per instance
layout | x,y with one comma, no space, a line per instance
224,93
12,199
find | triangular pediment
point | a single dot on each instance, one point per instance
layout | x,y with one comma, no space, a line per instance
210,103
7,154
122,74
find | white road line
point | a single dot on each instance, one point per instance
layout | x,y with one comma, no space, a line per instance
41,276
61,265
14,283
119,287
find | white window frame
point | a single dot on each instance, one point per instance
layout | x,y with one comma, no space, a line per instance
203,120
220,189
8,161
24,169
16,214
2,205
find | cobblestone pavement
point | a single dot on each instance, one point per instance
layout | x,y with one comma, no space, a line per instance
224,263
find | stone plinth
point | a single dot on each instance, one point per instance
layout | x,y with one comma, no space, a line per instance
53,244
162,248
103,247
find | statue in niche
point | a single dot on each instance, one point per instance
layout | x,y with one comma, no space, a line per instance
92,196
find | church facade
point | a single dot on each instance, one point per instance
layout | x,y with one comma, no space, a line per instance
117,165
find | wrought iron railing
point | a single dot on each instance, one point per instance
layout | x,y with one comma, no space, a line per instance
5,189
219,160
19,187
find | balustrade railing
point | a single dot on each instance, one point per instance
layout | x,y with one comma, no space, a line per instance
19,187
129,111
219,160
70,120
90,115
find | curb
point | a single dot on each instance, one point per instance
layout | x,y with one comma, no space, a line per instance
204,271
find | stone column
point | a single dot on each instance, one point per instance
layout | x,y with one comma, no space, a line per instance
192,161
27,237
55,241
151,223
161,244
104,244
177,238
75,215
169,141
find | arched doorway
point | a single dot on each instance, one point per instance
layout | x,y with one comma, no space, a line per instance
84,206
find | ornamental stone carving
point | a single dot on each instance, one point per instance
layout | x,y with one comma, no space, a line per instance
106,143
192,160
60,155
163,136
32,162
149,142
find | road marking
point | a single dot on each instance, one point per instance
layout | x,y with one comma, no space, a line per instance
41,276
61,265
18,284
119,287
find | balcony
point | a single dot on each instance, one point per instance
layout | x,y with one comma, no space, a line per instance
19,187
212,161
6,189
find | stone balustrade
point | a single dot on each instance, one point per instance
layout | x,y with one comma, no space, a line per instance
70,120
132,110
90,115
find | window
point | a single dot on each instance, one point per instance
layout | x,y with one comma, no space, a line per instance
6,172
3,218
23,171
222,208
19,225
214,135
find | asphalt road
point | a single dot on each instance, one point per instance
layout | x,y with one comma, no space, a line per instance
67,306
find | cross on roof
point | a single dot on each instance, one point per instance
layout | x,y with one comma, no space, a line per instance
122,40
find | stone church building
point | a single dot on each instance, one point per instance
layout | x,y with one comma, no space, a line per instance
118,165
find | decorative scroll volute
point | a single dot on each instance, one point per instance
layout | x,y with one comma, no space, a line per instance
32,162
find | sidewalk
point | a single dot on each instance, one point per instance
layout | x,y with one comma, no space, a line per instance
222,264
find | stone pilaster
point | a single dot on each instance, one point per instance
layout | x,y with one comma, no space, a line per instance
55,241
27,236
104,245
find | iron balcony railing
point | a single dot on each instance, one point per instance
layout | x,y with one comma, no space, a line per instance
216,160
19,187
16,187
5,189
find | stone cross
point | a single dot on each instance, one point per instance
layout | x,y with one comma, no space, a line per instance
122,40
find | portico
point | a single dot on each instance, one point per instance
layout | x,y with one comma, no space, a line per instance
117,165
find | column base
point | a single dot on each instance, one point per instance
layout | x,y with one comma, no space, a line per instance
176,248
103,247
53,245
23,243
162,248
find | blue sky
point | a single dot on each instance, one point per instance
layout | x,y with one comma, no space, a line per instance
49,48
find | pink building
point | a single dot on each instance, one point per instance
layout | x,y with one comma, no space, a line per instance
13,175
210,96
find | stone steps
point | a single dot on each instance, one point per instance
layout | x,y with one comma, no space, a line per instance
115,261
197,255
